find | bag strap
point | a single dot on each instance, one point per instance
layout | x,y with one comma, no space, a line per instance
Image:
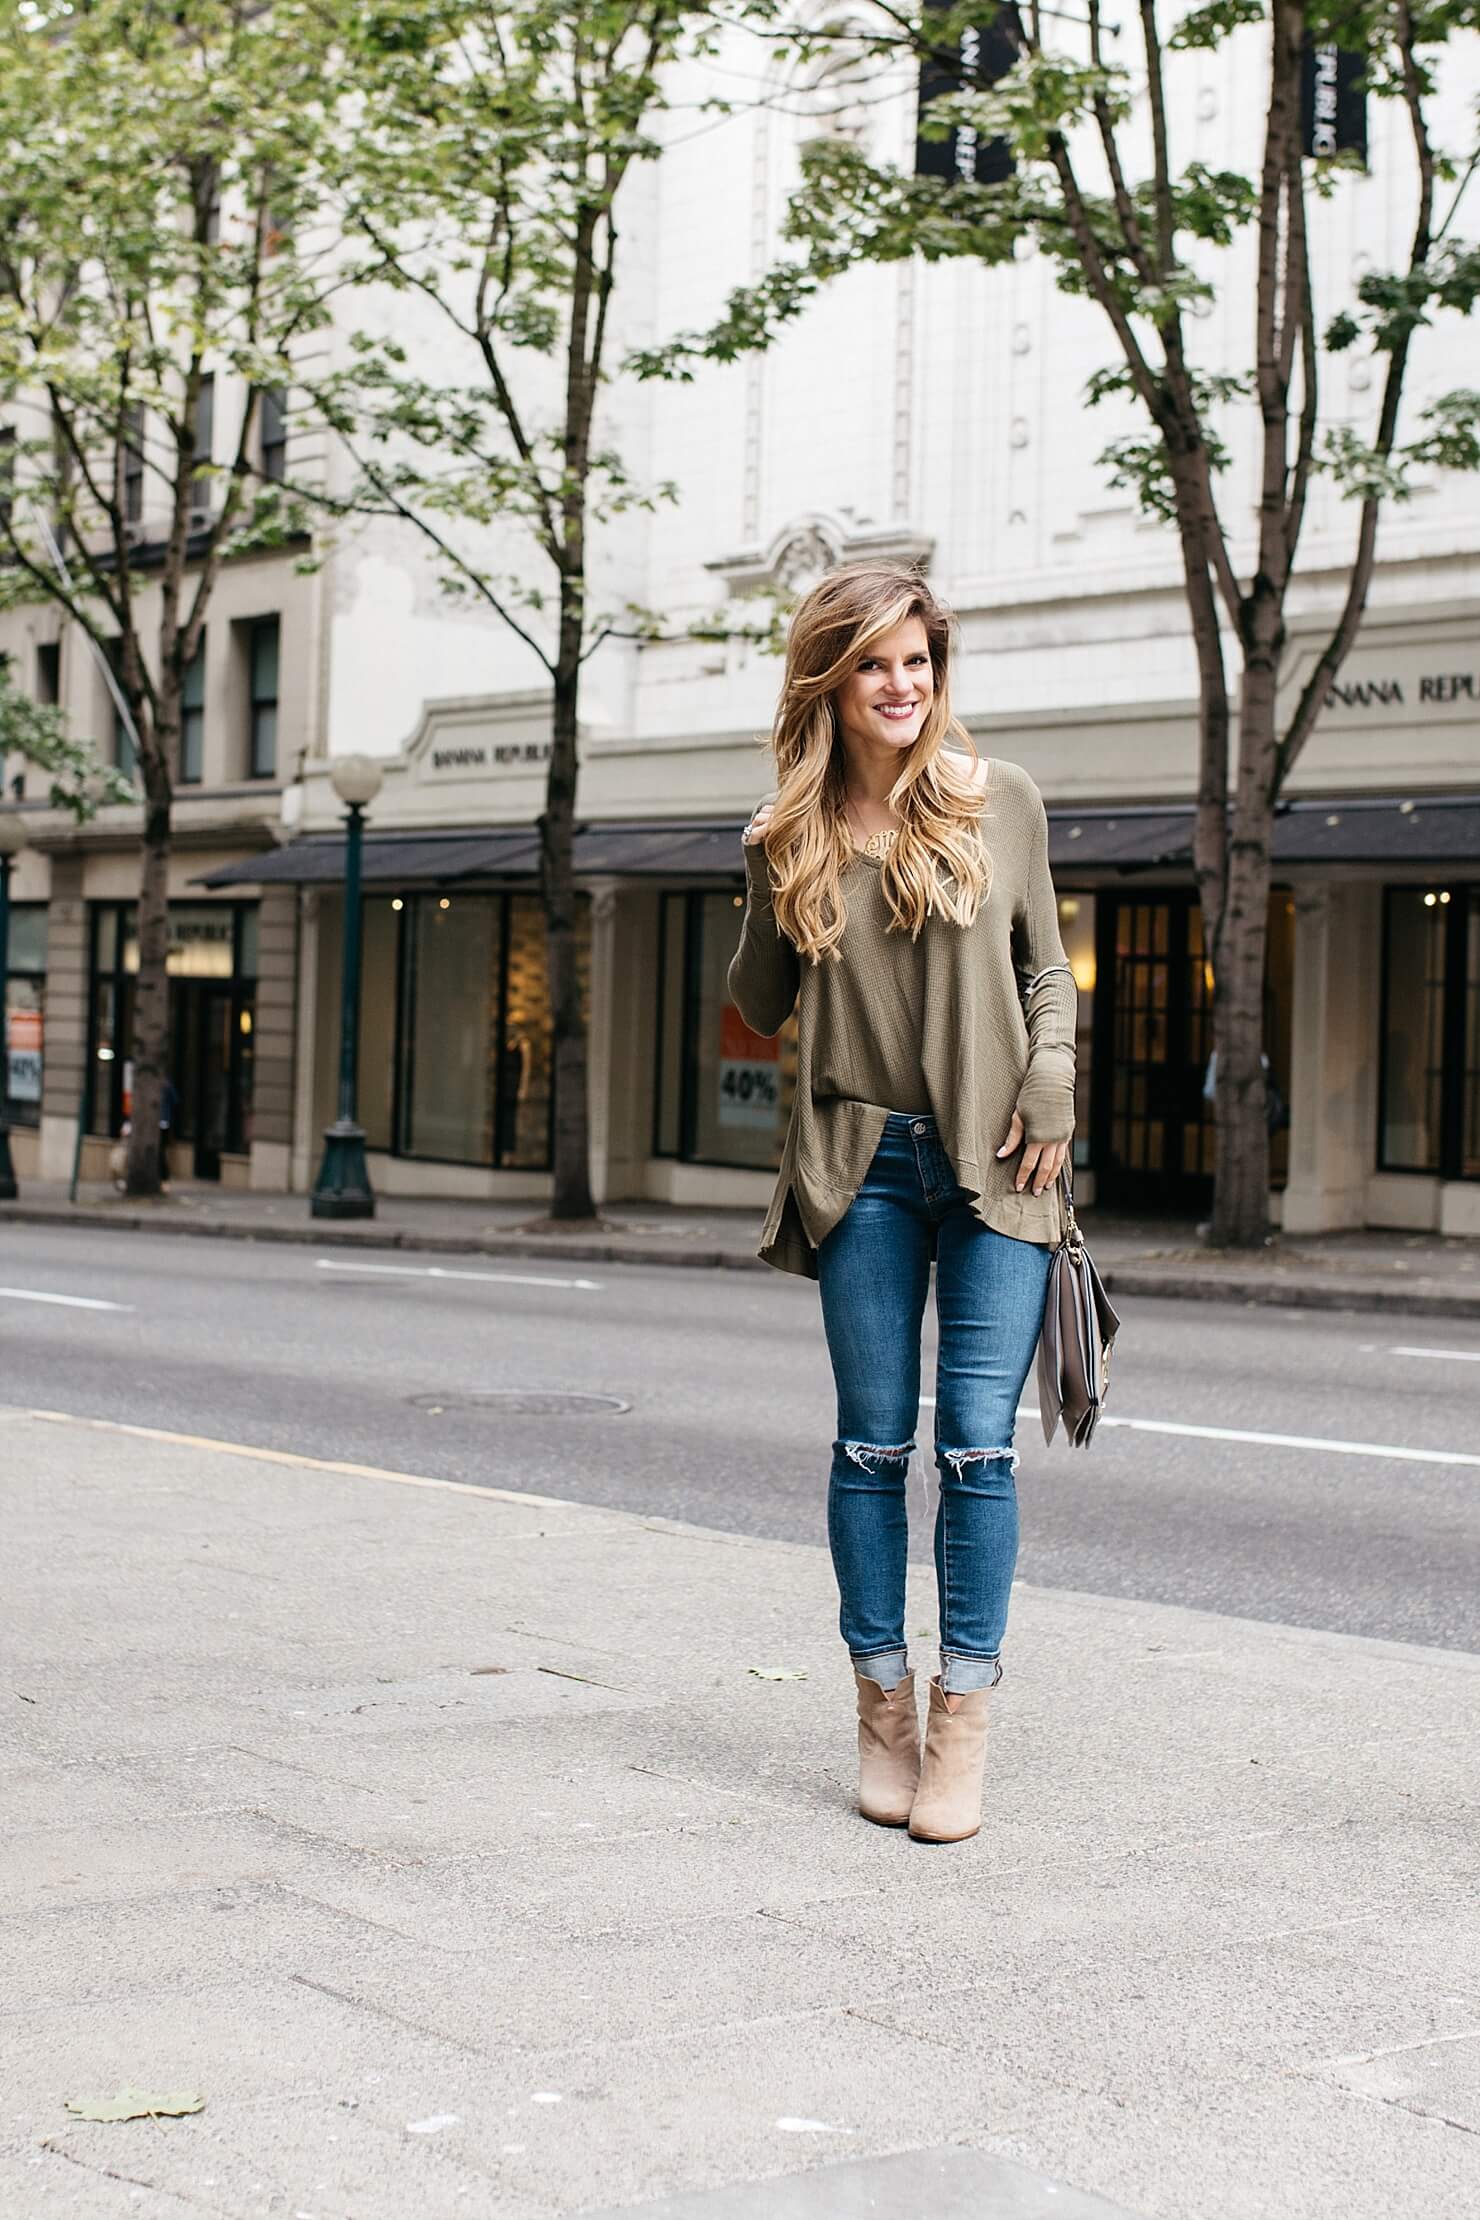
1072,1235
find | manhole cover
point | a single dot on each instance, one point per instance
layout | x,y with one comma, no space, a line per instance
522,1402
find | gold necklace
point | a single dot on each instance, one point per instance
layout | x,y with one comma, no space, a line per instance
877,844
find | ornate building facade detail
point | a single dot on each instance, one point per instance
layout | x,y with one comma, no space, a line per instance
800,553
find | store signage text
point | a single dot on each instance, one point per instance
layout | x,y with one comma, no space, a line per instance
980,56
1385,693
1333,102
749,1074
23,1055
483,755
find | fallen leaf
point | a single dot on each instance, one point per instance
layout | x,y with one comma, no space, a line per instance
135,2104
475,1670
776,1672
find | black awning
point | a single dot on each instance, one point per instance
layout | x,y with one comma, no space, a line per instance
1119,840
1429,829
1414,829
682,850
427,859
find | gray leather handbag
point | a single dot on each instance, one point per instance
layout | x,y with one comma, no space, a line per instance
1079,1329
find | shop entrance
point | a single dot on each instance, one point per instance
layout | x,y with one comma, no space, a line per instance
209,1042
1153,1130
213,980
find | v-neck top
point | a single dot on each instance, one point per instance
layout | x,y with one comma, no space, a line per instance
968,1024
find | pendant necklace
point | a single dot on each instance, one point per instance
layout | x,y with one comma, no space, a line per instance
878,844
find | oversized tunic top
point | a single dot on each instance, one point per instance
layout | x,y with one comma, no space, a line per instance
985,1015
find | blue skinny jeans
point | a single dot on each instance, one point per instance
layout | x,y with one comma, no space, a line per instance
874,1273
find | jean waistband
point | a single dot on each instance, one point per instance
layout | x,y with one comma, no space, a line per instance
909,1120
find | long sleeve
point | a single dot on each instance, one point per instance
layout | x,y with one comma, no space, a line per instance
765,971
1050,1000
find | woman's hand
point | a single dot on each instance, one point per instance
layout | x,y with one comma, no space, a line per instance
1042,1160
757,825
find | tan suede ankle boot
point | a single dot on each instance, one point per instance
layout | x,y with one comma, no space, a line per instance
888,1750
948,1802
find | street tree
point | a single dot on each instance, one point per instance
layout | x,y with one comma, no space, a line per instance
484,184
1093,175
35,734
160,269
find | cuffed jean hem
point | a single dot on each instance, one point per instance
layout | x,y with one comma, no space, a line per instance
887,1667
960,1675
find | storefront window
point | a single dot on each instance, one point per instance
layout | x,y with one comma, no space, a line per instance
1414,966
202,940
25,1011
455,973
1430,1093
455,1029
673,912
212,972
1077,932
378,1008
724,1092
525,1068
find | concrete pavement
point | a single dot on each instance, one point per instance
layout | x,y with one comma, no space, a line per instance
448,1844
1417,1275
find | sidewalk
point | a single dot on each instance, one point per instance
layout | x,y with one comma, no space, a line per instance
1422,1275
447,1844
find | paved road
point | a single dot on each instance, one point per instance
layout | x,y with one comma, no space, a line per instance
731,1415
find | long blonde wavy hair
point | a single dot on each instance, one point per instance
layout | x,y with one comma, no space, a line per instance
937,862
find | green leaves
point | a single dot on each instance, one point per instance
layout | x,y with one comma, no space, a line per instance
1452,441
81,783
1209,26
157,214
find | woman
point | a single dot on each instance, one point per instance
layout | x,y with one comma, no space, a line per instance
899,897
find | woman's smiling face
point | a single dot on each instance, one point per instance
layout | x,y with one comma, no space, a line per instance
884,701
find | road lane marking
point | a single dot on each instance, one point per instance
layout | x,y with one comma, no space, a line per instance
1456,1356
1276,1441
442,1272
1287,1441
292,1458
66,1302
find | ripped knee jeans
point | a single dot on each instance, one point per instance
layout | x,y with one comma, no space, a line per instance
874,1277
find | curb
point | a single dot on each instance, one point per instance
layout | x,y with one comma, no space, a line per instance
1311,1294
1248,1289
327,1235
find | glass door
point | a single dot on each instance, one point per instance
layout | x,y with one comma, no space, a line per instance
213,1102
1153,1129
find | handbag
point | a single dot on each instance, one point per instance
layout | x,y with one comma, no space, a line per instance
1079,1329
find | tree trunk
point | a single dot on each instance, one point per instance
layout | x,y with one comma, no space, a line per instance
571,1191
150,1043
1241,1176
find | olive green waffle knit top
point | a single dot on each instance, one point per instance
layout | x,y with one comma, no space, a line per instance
983,1018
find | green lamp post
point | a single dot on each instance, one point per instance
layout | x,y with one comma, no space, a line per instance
12,840
342,1189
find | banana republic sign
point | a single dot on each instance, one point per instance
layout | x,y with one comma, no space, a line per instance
1333,101
977,57
466,758
1407,689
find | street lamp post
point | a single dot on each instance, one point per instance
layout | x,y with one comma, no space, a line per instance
12,840
342,1189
